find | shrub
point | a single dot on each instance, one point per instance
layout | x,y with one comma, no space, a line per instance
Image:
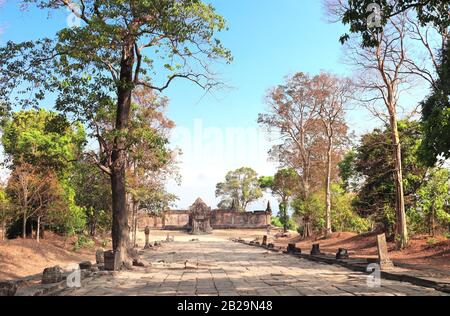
276,222
83,241
432,241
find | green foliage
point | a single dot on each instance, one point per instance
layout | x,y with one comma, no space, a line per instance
372,166
436,114
356,15
82,64
344,218
283,185
432,242
6,209
68,218
432,202
83,241
46,143
241,187
266,183
347,171
93,195
311,211
290,225
283,215
43,139
276,222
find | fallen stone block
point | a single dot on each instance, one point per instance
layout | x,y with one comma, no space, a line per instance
85,265
138,263
52,275
8,288
112,261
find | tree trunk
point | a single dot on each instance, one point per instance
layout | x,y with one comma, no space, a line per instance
120,229
307,228
401,228
328,190
133,221
432,223
3,229
42,230
38,228
24,224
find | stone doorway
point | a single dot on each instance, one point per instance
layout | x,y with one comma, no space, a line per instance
200,218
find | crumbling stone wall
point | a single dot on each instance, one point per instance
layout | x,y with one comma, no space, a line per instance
219,220
240,220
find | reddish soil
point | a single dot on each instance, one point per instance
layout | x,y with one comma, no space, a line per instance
419,255
20,258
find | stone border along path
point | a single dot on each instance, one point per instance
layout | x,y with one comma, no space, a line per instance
211,267
396,273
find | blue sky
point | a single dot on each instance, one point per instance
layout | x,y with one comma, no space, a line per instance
269,39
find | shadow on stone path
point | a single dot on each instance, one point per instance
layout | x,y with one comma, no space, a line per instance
222,268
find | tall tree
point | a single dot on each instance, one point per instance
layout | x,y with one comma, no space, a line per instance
120,46
284,185
433,199
382,78
241,187
32,192
95,198
151,163
371,166
429,26
294,116
48,144
6,214
298,111
43,139
333,95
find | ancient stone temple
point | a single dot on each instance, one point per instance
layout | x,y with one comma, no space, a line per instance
219,219
200,218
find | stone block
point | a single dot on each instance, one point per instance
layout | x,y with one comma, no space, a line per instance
342,254
8,288
85,265
315,251
264,242
52,275
383,256
291,248
100,256
112,261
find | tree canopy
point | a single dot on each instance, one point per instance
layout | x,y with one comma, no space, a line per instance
241,187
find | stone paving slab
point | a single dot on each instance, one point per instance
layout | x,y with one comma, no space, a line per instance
224,268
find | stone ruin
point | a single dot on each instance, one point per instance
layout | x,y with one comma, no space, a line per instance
220,219
200,218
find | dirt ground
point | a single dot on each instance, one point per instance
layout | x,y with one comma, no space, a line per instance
20,258
419,255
